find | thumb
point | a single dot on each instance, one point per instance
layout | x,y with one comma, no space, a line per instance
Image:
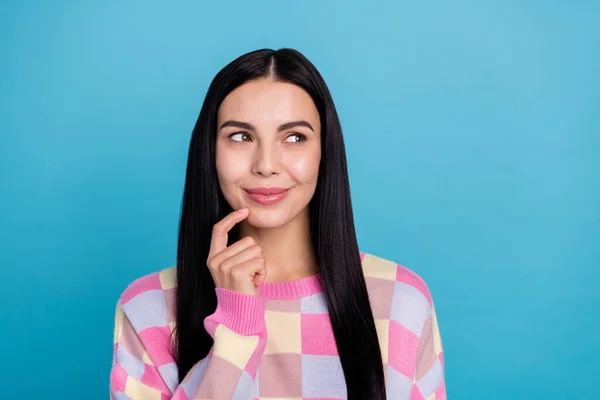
260,276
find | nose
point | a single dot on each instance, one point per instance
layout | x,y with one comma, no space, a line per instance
267,160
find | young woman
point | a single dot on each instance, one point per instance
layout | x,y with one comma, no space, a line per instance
271,297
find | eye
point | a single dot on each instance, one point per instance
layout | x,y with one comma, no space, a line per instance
240,137
295,138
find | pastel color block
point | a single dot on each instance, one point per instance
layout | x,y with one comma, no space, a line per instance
376,267
137,390
382,303
426,355
291,306
132,365
416,394
281,375
315,304
437,340
256,385
168,278
382,326
408,277
142,285
157,341
194,377
120,396
323,377
179,395
170,301
170,374
146,359
147,310
253,363
431,380
409,308
398,384
283,325
118,377
237,355
217,382
440,393
118,323
130,340
243,387
317,335
385,369
403,346
153,379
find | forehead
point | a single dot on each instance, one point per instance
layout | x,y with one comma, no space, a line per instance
266,101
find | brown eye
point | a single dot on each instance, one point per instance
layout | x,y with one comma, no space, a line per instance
240,137
295,138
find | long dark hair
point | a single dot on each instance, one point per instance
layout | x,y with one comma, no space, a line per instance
332,227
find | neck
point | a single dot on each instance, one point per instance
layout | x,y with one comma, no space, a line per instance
288,249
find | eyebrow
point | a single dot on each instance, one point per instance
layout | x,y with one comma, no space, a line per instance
249,127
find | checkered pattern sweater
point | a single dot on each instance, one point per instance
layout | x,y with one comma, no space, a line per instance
277,345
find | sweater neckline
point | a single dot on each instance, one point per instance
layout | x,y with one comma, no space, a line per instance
293,289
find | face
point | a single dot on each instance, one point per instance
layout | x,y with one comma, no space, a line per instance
268,151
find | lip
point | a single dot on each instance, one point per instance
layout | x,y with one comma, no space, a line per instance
266,196
266,191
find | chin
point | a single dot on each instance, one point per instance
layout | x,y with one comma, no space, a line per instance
265,218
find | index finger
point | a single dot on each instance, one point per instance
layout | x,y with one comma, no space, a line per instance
218,241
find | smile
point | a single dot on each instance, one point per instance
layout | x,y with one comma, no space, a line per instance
266,196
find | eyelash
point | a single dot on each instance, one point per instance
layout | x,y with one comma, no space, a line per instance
299,135
237,133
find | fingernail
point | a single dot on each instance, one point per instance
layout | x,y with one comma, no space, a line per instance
242,210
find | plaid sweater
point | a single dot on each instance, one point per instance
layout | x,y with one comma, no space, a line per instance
278,345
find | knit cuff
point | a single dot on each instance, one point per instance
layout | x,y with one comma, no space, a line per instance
242,313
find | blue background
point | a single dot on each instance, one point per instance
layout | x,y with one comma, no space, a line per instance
473,137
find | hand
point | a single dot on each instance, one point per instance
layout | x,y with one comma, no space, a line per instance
240,267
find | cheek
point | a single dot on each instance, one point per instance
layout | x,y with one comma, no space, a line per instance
305,168
230,168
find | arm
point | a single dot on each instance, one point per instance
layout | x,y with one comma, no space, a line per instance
144,367
429,370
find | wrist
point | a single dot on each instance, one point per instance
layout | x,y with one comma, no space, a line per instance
240,312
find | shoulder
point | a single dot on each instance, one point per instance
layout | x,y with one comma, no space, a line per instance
399,288
147,285
149,300
380,268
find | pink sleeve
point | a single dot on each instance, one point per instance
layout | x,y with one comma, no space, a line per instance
144,366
